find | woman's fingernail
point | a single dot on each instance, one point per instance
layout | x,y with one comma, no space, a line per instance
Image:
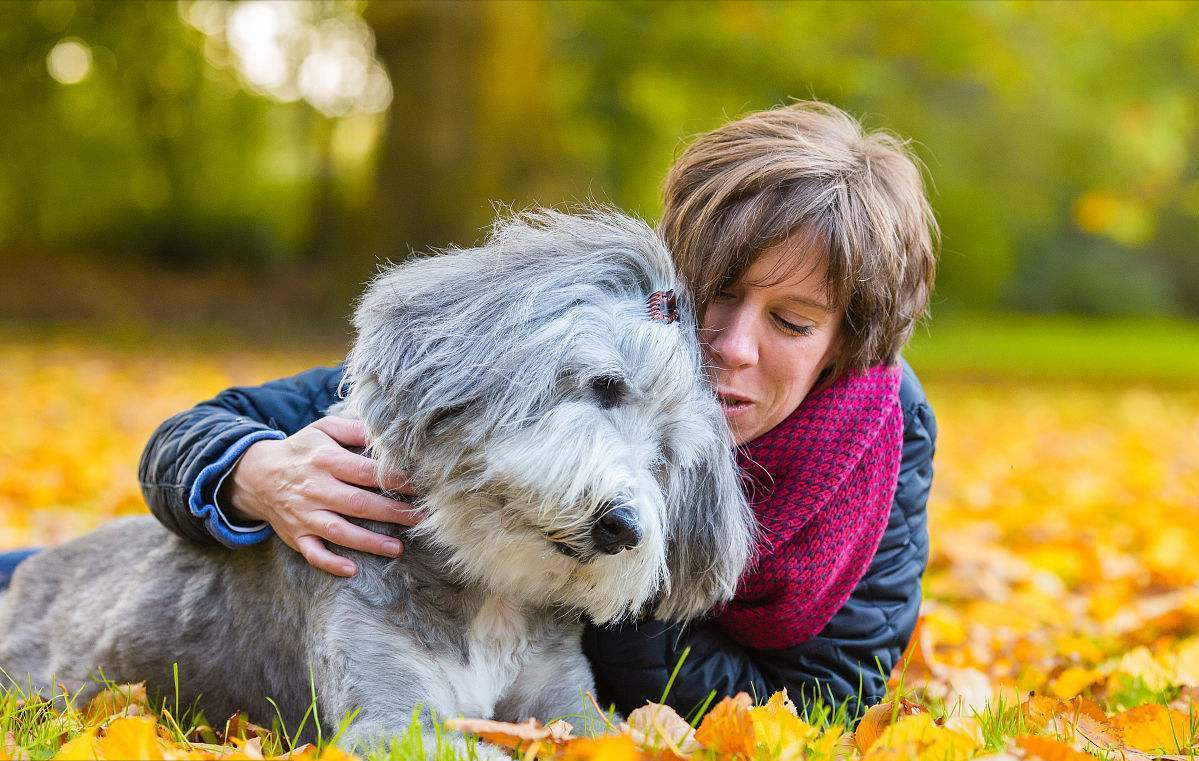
393,548
349,569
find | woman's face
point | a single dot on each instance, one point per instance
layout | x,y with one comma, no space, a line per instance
768,337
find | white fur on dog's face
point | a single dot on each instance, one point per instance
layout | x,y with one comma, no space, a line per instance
605,436
526,390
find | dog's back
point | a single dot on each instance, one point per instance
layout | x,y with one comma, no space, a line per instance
545,395
131,599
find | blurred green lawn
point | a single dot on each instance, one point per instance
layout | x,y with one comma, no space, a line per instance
1029,348
981,347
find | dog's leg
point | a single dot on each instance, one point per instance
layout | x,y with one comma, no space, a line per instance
555,684
374,663
368,735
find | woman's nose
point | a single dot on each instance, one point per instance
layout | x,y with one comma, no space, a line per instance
734,345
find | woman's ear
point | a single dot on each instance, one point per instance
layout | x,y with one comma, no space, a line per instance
832,358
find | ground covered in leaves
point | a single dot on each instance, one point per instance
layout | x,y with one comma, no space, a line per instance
1061,614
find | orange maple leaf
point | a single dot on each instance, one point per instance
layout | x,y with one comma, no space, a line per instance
728,729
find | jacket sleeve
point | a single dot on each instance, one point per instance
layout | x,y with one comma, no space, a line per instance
189,454
847,663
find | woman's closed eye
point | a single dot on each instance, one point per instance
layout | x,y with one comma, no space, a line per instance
785,325
792,328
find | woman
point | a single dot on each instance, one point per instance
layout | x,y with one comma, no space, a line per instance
809,246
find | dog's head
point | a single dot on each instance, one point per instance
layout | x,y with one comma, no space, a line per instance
547,400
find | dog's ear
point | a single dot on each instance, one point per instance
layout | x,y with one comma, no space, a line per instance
711,530
407,375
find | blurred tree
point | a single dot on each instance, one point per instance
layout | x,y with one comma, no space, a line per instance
1063,157
473,122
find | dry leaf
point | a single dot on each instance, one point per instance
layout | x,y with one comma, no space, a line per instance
82,748
238,727
508,735
919,735
202,734
967,690
12,751
619,747
333,753
727,729
300,751
880,716
1050,749
130,738
248,748
778,730
1154,728
969,726
119,700
1073,681
655,725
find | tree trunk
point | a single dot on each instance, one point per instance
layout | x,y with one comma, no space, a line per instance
425,194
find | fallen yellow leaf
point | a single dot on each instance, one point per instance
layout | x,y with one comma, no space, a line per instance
130,738
118,700
919,735
1073,681
779,730
82,748
1154,728
1050,749
655,725
880,716
728,729
508,735
618,747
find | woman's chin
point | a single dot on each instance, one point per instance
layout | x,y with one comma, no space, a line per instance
741,421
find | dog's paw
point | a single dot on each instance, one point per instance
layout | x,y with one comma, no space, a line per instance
488,752
465,750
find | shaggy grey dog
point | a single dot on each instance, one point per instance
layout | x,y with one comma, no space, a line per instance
547,400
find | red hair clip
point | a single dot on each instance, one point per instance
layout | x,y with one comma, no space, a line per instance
663,306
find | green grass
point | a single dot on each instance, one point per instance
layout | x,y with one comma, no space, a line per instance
960,345
1020,347
41,726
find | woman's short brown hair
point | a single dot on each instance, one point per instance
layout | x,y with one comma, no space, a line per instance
808,170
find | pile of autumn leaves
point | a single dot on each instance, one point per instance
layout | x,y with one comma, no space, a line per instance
735,730
118,724
1061,609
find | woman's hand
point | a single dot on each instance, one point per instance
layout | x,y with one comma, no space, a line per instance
304,484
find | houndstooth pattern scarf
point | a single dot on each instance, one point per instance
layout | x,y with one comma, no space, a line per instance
821,484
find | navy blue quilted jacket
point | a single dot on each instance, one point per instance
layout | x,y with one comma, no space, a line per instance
847,662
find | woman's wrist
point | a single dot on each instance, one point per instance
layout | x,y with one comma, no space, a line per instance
234,498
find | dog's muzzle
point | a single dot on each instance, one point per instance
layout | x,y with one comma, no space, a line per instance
616,530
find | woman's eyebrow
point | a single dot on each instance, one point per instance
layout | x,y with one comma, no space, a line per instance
809,303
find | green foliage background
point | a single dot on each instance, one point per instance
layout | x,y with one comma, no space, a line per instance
1061,139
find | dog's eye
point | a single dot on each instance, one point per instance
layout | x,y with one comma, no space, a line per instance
609,390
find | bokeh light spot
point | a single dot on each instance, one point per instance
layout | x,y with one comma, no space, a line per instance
70,61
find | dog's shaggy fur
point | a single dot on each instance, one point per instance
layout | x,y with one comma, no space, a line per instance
572,461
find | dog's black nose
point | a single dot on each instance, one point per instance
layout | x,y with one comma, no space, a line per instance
617,528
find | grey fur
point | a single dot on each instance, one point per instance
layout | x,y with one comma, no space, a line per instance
523,387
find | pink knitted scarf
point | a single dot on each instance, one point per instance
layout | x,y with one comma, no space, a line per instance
821,484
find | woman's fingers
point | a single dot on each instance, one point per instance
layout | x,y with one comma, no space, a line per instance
348,433
319,556
360,503
359,469
331,526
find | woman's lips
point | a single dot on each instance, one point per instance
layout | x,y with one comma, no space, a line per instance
733,404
